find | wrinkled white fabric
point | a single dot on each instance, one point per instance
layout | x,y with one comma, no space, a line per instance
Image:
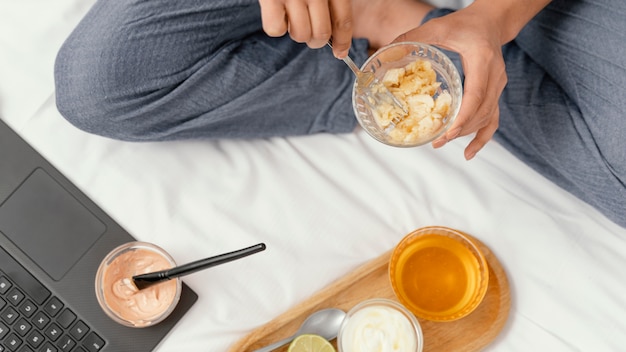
323,205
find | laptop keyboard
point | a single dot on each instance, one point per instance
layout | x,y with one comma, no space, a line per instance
34,320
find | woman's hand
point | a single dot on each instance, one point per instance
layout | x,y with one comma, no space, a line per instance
477,38
310,21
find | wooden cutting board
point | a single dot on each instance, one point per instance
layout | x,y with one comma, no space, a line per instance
471,333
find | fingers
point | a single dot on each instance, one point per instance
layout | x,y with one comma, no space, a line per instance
312,22
321,28
483,136
479,110
468,118
484,127
341,13
299,21
274,17
475,99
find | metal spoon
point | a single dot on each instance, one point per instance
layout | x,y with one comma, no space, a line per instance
325,322
375,93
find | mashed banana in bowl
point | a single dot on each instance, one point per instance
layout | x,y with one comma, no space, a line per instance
424,81
415,86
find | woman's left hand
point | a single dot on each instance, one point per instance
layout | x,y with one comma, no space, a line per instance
476,38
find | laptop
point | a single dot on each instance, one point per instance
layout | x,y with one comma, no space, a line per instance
52,240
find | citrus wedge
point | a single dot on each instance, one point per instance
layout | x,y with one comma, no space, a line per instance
310,343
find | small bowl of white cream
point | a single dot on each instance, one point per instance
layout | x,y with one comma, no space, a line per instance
380,325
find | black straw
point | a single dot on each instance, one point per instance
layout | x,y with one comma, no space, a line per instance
145,280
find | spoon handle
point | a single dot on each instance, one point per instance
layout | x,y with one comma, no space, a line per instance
275,345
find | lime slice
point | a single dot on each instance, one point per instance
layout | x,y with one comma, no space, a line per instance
310,343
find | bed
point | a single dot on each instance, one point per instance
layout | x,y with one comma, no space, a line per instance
324,205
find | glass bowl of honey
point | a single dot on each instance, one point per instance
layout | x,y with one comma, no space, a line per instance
439,273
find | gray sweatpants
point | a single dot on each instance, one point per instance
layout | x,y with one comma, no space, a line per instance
162,70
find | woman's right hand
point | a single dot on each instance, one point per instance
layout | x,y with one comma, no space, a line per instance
312,22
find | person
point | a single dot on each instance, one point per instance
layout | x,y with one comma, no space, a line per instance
546,79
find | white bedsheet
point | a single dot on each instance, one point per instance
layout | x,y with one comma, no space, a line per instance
324,205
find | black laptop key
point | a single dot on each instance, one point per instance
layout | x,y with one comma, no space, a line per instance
93,342
53,331
9,315
66,344
28,308
79,330
4,330
5,284
12,342
35,339
40,320
53,306
48,347
66,318
22,327
15,296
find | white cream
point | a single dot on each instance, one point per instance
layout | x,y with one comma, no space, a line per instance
378,329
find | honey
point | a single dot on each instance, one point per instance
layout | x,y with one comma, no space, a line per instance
438,276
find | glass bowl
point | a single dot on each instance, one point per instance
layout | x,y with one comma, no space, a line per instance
118,296
417,130
380,322
439,273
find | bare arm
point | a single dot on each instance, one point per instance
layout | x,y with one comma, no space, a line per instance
510,15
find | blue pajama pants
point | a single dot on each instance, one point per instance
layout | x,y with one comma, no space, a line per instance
162,70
